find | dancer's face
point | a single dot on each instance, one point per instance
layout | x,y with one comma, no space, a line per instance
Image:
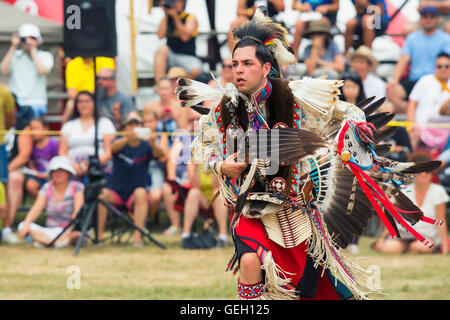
249,74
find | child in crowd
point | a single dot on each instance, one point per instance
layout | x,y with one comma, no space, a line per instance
61,198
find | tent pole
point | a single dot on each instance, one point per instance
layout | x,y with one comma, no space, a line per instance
133,49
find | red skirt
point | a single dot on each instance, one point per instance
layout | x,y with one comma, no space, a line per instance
308,281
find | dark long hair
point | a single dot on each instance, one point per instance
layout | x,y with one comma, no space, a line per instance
75,113
353,76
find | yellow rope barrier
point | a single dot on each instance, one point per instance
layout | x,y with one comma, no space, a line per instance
405,124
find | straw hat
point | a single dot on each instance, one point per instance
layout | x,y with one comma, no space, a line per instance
176,72
364,52
317,26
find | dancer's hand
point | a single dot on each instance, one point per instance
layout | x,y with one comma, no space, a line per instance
232,168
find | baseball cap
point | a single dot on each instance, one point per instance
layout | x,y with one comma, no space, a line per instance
30,30
61,162
132,116
429,9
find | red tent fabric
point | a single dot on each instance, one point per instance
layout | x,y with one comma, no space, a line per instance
50,9
396,25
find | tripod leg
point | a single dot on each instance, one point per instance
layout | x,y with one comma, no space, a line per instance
90,211
131,223
62,232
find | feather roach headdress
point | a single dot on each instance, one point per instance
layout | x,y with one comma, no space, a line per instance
263,30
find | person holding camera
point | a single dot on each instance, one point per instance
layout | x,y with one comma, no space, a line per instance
127,186
181,29
28,68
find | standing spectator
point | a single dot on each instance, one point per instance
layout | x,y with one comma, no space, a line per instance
371,21
420,51
80,77
245,11
327,8
61,198
181,29
425,102
112,103
78,135
322,56
7,120
363,62
127,186
156,169
431,198
28,68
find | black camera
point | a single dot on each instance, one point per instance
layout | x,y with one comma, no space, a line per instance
168,4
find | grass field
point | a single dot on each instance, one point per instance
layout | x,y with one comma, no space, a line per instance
123,272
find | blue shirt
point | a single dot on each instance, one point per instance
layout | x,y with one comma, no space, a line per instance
423,50
315,3
374,2
130,166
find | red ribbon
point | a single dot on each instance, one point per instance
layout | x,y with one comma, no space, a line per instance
374,193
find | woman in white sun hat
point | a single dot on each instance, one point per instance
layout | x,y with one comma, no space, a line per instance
61,198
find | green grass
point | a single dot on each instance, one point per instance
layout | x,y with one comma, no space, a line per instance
122,272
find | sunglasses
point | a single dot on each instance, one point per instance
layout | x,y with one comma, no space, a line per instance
442,66
105,78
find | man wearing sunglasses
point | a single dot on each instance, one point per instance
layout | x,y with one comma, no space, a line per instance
28,67
420,51
112,103
425,101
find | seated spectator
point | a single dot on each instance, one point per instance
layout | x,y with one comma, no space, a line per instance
420,50
363,62
352,90
245,11
322,56
181,29
326,8
80,77
225,78
28,68
168,107
44,149
431,198
61,198
35,173
18,157
127,186
187,184
112,103
77,135
443,7
157,167
425,101
401,144
371,21
7,120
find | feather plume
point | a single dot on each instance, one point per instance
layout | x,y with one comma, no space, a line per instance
319,95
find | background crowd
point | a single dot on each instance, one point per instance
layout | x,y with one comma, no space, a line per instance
149,171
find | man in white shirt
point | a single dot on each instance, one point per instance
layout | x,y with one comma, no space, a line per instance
28,68
425,101
363,63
